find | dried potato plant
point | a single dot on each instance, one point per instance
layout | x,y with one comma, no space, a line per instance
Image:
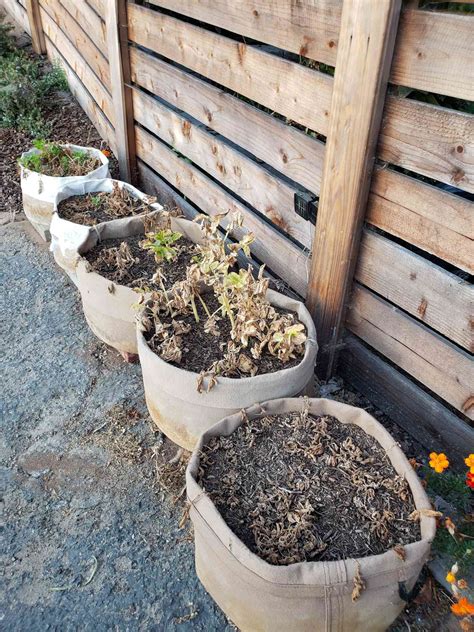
256,327
295,487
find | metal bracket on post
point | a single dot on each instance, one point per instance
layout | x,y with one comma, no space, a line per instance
306,206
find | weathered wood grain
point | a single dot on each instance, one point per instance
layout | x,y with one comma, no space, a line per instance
435,362
293,153
89,21
88,78
309,28
84,46
297,92
36,29
420,414
434,52
119,63
282,256
84,99
17,14
245,177
430,140
365,50
435,221
439,298
98,6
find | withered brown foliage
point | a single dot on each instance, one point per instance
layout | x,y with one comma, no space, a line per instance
93,208
226,304
299,488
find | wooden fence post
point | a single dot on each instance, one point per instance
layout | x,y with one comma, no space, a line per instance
36,26
366,44
119,63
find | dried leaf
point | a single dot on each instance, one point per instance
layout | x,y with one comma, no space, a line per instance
399,550
416,515
359,584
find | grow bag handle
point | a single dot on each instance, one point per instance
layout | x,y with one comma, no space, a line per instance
420,582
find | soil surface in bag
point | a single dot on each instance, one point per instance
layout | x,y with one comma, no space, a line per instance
201,347
57,161
104,206
126,262
295,487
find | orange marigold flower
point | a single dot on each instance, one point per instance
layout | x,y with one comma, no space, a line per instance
470,480
463,607
450,578
106,153
439,462
469,461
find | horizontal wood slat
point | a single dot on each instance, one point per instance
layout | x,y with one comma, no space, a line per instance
98,6
429,140
423,215
440,299
16,13
281,255
309,28
246,178
89,21
87,103
432,360
84,46
410,406
83,72
297,92
434,52
288,150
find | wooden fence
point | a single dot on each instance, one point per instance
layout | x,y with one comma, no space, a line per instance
235,105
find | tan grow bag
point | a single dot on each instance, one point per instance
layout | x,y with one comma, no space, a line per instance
109,308
39,191
183,414
69,238
308,596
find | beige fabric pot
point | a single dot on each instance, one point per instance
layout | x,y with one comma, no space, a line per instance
109,308
69,238
308,596
39,191
183,414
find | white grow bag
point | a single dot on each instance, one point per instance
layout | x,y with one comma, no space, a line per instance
39,191
69,240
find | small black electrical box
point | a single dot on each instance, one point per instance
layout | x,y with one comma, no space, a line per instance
306,206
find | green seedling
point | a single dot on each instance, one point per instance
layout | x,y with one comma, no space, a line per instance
162,244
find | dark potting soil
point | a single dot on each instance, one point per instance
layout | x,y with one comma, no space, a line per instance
299,488
201,348
140,273
93,208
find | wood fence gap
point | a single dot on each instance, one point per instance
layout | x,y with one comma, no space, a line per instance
36,27
117,43
366,43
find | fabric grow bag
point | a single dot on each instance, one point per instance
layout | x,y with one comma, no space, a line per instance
306,596
109,308
68,238
183,414
39,191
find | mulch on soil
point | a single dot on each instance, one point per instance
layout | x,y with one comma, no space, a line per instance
70,124
299,488
137,268
201,348
93,208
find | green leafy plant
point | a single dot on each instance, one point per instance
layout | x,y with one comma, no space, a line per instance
25,87
162,242
53,159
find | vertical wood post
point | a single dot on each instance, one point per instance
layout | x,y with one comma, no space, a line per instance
366,43
36,26
119,63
